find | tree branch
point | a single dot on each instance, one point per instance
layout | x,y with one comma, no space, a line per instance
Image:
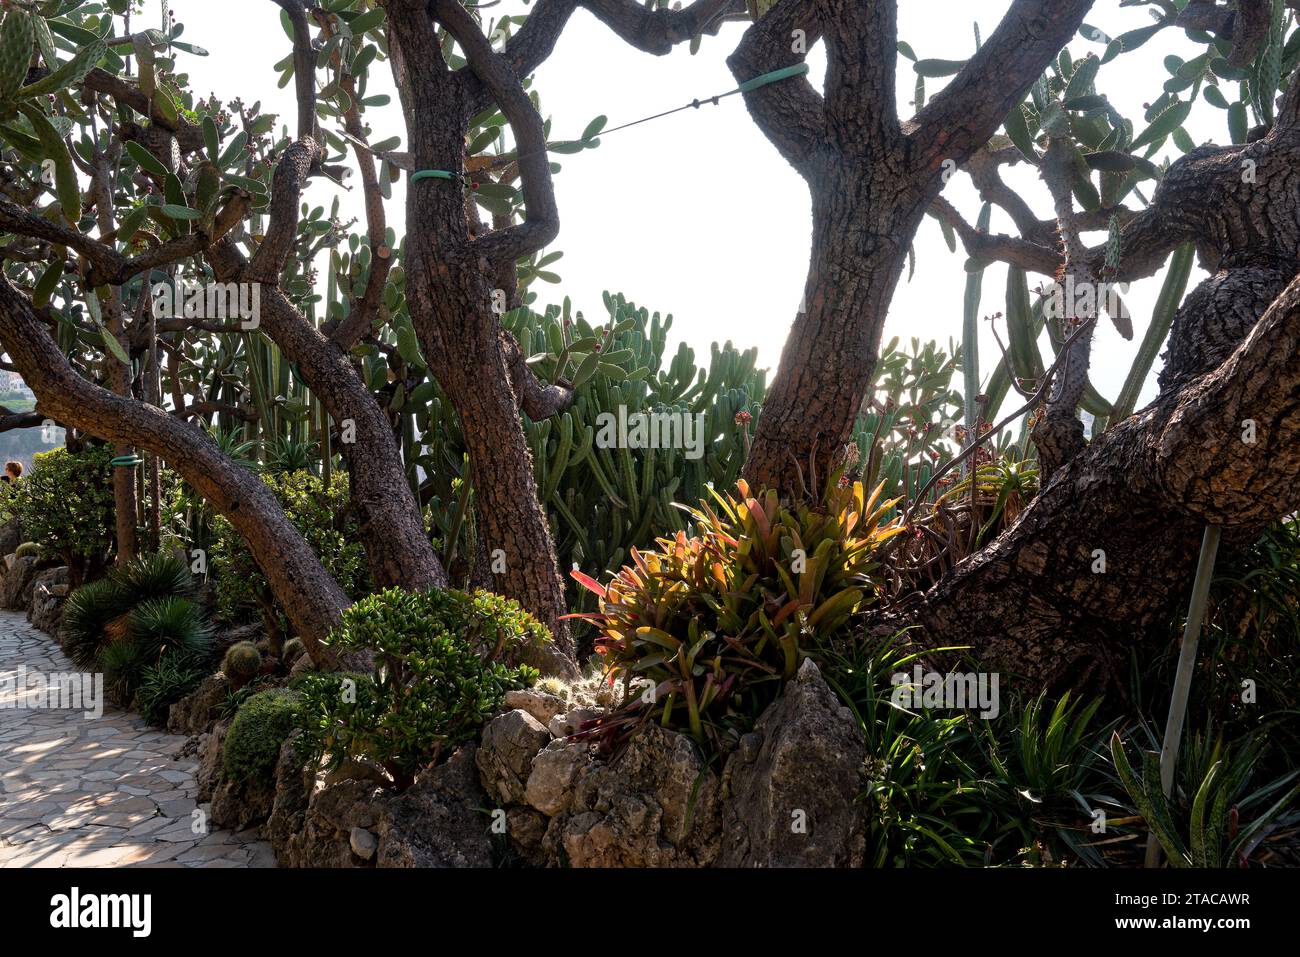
961,118
790,113
542,217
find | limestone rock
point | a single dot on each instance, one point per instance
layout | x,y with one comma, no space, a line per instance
505,756
325,836
363,843
436,822
11,536
655,806
47,576
239,805
563,725
542,705
550,783
197,710
526,829
49,590
293,787
210,773
15,582
790,786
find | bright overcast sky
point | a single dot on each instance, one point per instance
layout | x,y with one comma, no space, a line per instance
696,214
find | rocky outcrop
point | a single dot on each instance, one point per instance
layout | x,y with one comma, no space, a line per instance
786,797
11,536
293,787
49,592
208,777
238,805
791,786
655,806
194,713
437,822
506,757
18,575
540,704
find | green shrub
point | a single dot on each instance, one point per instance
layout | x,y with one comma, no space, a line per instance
123,663
65,503
441,672
602,502
242,663
139,617
165,683
327,522
146,600
252,745
155,576
175,626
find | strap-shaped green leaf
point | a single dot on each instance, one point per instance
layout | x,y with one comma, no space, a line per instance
66,186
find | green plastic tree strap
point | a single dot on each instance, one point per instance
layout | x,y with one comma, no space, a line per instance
126,461
763,79
431,174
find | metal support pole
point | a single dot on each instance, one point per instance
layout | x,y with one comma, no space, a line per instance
1183,678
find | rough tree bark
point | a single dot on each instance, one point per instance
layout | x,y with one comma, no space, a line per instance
1220,444
871,180
311,598
451,273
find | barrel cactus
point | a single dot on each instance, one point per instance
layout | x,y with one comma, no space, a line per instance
243,663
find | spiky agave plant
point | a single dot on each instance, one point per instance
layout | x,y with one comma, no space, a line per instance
717,621
154,576
87,616
171,627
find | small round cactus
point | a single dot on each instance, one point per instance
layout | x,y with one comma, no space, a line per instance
28,550
243,663
293,649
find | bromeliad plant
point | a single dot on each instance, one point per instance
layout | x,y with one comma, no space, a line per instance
715,622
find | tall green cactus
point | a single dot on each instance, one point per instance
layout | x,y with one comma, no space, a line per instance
603,501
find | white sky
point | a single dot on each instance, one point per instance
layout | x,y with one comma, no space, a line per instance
697,214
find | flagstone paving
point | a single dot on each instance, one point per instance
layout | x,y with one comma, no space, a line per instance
95,792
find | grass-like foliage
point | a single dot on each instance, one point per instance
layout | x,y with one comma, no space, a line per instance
140,615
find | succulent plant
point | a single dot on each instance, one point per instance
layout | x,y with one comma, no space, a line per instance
242,663
604,501
717,621
293,650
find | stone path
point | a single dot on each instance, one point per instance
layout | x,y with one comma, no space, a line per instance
96,792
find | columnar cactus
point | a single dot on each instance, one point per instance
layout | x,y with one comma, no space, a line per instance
605,497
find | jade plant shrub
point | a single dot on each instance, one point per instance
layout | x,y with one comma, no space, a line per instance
65,504
321,512
715,622
261,726
142,613
444,661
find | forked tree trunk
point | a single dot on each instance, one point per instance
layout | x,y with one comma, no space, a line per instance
450,299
